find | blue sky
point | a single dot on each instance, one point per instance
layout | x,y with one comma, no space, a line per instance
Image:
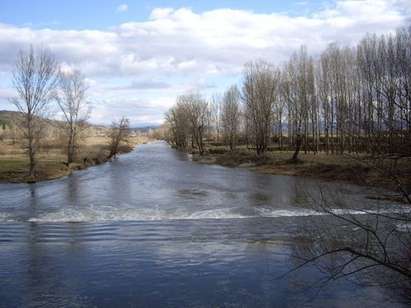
138,56
97,14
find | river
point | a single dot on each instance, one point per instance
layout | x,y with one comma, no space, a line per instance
153,228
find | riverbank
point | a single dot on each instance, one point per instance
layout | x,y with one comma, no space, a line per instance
359,170
52,164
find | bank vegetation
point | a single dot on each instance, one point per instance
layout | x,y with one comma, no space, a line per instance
49,136
343,113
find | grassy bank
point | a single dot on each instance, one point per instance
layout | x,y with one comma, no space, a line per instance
360,170
51,162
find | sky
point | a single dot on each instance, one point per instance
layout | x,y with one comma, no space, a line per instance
138,56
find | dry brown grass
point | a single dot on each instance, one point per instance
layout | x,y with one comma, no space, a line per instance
357,169
52,158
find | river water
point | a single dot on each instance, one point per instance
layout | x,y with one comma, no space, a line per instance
154,229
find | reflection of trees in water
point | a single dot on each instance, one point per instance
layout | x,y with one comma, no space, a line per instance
32,206
119,182
72,189
48,276
262,189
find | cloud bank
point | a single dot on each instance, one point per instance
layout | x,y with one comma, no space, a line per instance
122,8
148,63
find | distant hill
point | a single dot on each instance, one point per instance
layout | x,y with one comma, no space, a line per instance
8,117
144,129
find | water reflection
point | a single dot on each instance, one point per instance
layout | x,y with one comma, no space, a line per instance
156,229
156,179
181,263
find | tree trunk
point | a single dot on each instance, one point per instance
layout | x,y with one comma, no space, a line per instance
70,149
297,148
31,145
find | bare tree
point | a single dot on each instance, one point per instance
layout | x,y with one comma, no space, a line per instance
215,115
35,80
74,106
189,119
230,116
352,100
278,114
197,112
371,247
298,92
260,91
119,134
178,125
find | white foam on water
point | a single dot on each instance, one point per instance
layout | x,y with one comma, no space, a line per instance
287,213
397,210
224,213
404,227
5,217
107,213
309,212
93,215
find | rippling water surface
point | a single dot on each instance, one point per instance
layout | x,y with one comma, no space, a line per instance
155,229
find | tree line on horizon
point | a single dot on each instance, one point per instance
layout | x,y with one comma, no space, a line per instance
348,100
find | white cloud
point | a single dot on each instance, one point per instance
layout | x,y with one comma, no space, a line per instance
66,68
160,13
5,94
122,8
179,46
218,41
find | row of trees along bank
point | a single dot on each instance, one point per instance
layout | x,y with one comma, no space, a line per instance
347,100
40,84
